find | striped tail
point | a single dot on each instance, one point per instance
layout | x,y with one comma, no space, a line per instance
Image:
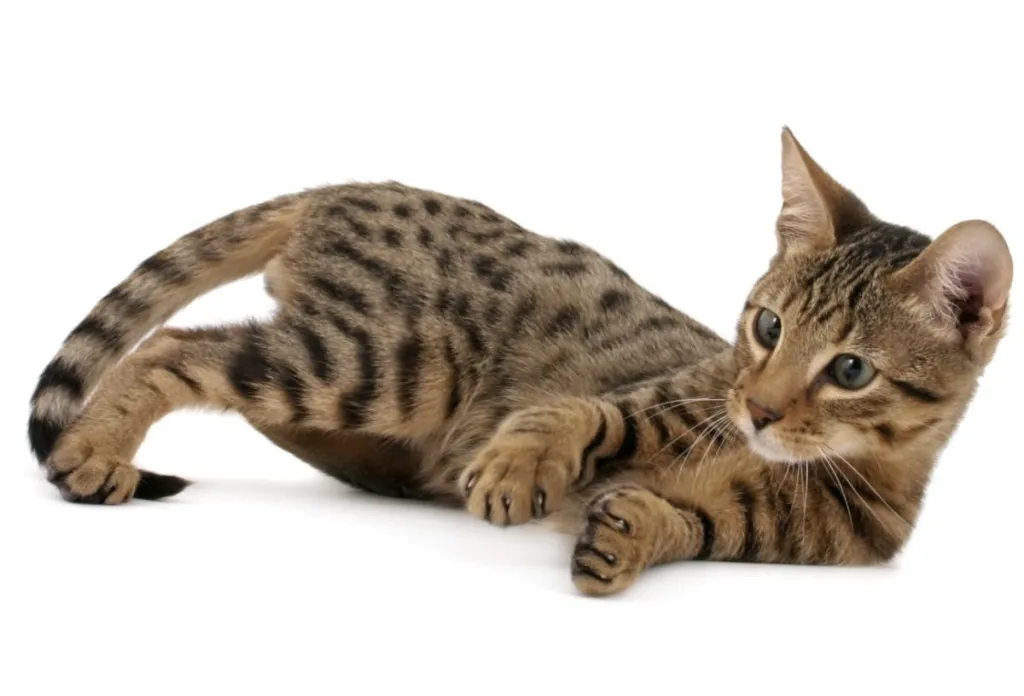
230,248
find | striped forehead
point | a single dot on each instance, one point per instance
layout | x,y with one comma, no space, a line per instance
835,283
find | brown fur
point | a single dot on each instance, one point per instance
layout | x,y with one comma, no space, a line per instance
425,346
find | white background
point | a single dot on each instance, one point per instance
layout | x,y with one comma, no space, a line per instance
649,131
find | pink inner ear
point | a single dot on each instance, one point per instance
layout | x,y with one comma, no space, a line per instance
968,304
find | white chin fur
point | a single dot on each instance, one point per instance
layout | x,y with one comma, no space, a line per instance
763,445
771,452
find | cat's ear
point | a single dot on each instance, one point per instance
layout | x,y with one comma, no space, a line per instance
963,278
816,210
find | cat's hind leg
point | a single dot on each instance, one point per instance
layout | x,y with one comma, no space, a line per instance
259,370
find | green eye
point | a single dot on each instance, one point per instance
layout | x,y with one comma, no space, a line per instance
768,328
850,372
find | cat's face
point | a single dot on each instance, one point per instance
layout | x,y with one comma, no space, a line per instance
862,338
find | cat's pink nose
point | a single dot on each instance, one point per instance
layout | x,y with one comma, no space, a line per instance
761,415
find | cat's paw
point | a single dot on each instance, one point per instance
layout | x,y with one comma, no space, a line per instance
84,473
617,544
521,474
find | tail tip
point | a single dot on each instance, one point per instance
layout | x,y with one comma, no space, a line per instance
154,486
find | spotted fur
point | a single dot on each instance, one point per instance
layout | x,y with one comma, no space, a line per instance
425,346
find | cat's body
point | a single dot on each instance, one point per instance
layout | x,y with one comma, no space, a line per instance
425,346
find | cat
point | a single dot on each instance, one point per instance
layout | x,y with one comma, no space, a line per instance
426,347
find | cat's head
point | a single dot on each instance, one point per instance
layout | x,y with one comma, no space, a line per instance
863,338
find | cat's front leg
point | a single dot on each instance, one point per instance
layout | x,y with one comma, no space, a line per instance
733,512
537,456
627,529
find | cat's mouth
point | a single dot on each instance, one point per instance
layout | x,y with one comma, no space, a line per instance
768,444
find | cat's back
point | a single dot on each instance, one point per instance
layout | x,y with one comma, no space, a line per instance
555,310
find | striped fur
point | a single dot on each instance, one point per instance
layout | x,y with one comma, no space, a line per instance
425,346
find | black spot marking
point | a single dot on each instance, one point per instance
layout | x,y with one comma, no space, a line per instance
380,270
481,237
630,439
60,375
519,248
357,226
432,206
355,404
42,436
250,367
595,442
344,293
160,265
492,272
392,238
746,501
127,305
401,210
185,379
410,358
111,337
444,261
570,248
443,303
462,211
455,393
363,204
565,321
307,306
319,358
464,320
886,431
569,269
425,237
613,299
707,529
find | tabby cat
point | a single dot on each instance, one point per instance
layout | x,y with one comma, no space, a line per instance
424,346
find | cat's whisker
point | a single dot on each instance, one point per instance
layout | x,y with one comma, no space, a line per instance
716,436
868,484
666,405
689,452
786,469
677,438
830,467
867,505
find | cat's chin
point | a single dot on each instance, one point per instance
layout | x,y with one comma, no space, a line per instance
766,449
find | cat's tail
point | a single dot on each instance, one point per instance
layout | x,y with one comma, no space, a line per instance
225,250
